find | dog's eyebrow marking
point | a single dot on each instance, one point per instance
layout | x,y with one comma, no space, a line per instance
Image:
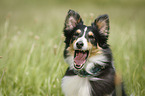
78,31
90,33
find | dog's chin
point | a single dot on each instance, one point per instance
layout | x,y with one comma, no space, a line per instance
80,58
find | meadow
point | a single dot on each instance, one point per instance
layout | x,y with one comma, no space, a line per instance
32,43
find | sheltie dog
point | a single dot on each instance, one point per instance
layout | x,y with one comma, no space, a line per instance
91,71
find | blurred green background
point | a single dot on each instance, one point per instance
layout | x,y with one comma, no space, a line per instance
31,43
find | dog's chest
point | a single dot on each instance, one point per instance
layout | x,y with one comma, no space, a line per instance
76,86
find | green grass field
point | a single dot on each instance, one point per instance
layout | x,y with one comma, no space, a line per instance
31,43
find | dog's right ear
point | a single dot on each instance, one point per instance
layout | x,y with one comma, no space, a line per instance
71,21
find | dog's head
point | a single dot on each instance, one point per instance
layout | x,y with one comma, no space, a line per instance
85,44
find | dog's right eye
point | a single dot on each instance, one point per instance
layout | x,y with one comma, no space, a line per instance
91,37
76,34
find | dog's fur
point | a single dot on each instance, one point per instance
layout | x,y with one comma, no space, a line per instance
91,71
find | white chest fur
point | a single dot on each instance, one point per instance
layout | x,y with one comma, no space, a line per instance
76,86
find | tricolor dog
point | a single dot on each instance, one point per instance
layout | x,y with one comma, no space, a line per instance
91,71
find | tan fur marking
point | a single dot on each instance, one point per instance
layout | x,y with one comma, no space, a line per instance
90,33
118,84
93,50
118,79
79,20
78,31
71,49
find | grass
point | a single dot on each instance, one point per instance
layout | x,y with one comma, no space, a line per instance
31,44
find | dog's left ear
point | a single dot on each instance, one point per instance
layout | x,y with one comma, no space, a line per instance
71,21
101,28
102,23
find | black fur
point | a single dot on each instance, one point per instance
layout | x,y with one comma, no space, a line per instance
100,29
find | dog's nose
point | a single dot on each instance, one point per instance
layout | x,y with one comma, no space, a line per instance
80,44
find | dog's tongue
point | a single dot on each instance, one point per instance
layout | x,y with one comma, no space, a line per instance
80,58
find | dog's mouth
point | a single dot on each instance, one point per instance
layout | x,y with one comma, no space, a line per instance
80,57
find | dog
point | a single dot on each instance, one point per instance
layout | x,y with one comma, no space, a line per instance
91,71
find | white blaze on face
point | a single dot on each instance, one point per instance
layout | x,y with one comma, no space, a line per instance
84,40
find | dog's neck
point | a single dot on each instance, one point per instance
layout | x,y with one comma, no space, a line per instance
83,73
